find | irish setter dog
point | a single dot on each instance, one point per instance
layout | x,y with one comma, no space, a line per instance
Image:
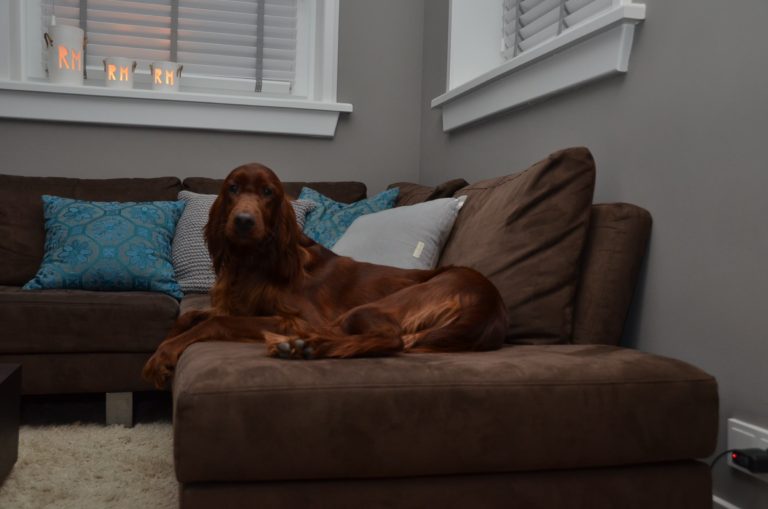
276,285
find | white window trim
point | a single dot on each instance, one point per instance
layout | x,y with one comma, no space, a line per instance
33,99
598,48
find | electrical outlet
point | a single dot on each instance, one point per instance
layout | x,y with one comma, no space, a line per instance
743,435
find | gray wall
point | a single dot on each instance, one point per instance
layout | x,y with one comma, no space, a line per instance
684,134
377,144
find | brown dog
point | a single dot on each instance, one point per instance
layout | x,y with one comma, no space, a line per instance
274,284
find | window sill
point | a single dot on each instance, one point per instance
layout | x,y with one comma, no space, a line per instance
594,50
190,110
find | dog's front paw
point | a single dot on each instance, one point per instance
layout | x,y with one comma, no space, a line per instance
159,368
295,349
286,347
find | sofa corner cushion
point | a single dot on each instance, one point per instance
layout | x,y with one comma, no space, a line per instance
22,235
73,321
521,408
526,233
412,194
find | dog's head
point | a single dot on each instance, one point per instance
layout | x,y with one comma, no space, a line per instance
251,211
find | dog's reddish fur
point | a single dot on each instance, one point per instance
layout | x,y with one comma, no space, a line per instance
274,284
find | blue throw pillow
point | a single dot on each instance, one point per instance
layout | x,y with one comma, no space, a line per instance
109,246
330,219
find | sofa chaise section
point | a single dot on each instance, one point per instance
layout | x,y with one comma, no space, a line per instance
527,416
538,407
565,417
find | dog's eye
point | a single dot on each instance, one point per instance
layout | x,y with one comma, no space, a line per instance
234,189
267,191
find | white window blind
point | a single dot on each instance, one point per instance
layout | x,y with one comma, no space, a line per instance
528,23
224,43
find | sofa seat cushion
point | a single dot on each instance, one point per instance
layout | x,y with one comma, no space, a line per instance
75,321
242,416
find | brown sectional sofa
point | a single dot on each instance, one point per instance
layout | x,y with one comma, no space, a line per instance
560,417
75,341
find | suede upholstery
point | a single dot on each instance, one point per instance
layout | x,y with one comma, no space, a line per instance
193,301
526,233
76,373
679,485
412,194
616,244
555,406
346,192
72,321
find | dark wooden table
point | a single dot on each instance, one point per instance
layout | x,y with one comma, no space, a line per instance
10,402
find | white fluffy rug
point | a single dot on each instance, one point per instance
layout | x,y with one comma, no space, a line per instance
83,466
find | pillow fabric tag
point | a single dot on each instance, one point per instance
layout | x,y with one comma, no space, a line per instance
418,250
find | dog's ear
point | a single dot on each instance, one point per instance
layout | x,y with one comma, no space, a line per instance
215,230
287,239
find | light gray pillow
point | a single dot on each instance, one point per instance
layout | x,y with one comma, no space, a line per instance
191,261
410,237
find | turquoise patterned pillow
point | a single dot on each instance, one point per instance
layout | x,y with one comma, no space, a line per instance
113,246
328,222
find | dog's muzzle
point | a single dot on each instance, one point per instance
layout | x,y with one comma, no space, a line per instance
244,223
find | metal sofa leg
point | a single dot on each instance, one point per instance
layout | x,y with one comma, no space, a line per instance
120,408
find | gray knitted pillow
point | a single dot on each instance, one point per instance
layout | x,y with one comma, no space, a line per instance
191,261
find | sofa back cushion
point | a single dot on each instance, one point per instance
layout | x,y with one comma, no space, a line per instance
22,234
526,233
346,192
616,245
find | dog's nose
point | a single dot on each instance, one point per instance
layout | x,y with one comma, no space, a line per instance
244,222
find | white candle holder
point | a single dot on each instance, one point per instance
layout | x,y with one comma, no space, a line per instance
165,76
118,72
65,46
